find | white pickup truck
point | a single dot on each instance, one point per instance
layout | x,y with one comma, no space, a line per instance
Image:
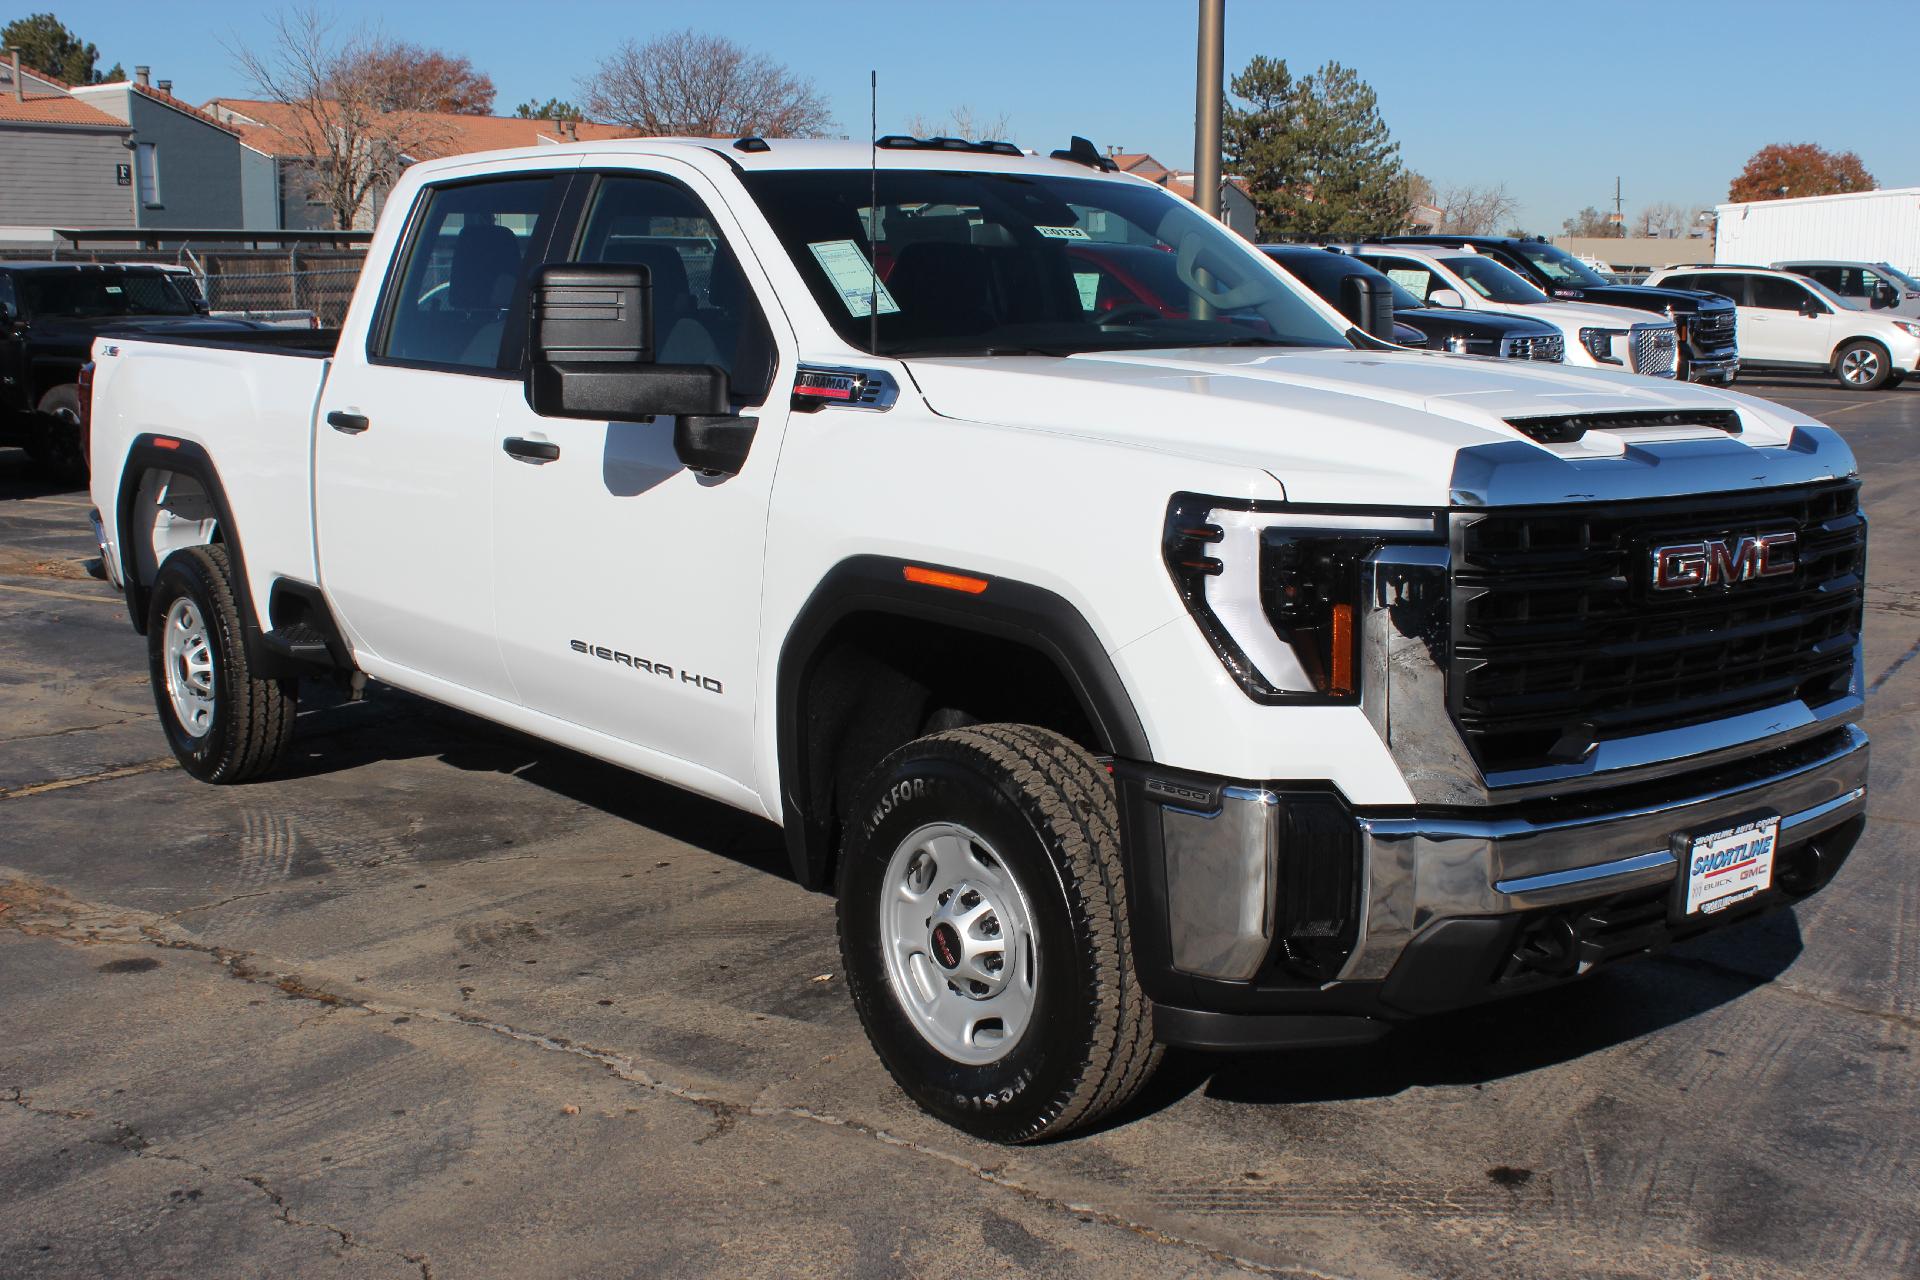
1226,679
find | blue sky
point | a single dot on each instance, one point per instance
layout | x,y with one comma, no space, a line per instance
1553,102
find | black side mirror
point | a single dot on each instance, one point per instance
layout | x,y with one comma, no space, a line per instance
1885,295
1810,307
591,355
1369,304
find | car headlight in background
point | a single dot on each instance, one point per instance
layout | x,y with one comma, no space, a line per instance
1277,589
1599,344
1908,327
1459,345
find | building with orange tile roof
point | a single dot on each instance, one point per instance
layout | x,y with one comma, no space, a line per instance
65,162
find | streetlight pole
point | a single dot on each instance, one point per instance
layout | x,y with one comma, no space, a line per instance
1207,105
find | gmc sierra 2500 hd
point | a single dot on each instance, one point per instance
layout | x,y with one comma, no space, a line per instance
1218,679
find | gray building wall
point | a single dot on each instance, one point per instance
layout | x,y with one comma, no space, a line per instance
62,176
199,165
299,211
259,191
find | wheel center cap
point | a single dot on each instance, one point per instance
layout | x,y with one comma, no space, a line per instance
946,945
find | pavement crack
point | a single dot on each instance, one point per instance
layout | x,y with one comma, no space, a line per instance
52,910
1898,663
87,779
1759,981
79,728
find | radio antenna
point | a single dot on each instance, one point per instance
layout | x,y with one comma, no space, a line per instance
873,211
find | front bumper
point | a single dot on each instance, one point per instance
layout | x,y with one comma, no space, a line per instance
1419,910
1712,369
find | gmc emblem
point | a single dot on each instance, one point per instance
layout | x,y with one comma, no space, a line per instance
1722,562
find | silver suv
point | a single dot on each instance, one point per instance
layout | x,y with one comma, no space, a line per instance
1864,286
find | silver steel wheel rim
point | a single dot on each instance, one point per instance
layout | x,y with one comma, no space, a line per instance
187,652
949,896
1860,366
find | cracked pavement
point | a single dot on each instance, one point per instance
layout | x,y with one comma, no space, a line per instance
443,1001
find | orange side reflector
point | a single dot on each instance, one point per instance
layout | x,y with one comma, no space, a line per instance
165,442
1342,664
940,578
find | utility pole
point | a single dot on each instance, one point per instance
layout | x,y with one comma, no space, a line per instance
1619,209
1207,105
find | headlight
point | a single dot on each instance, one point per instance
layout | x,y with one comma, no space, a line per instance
1907,327
1459,345
1599,344
1277,589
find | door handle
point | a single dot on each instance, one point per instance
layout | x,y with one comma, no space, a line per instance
351,424
538,452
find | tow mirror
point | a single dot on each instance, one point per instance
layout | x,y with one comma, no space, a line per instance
592,355
1445,298
1368,302
1885,295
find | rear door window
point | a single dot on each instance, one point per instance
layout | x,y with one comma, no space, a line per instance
1723,283
1413,276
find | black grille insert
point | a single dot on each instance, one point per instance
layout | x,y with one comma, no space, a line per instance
1559,640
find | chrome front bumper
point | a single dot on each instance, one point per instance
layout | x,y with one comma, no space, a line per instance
1227,858
1422,869
107,560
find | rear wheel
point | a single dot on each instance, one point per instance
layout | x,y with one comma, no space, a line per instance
984,933
1863,366
57,446
224,723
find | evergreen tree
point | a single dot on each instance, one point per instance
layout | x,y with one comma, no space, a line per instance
551,109
45,44
1317,155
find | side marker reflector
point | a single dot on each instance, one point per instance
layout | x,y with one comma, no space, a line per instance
165,442
940,578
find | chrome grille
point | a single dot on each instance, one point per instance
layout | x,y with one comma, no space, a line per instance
1712,330
1550,347
1558,640
1655,351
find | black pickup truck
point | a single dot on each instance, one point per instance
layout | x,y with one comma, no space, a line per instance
1709,347
50,313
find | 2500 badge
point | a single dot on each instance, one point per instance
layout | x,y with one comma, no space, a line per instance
645,665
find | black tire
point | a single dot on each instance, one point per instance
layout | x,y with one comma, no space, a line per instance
57,446
1046,810
1870,358
1894,380
251,721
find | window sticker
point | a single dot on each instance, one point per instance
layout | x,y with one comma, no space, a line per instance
1088,283
852,277
1063,233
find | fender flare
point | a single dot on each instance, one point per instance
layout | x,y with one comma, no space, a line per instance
186,457
1006,609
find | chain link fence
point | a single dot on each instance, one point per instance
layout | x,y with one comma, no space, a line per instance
284,286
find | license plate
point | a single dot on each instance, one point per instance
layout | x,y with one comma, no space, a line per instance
1729,866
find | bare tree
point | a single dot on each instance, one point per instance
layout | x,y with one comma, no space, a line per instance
348,107
1475,211
961,122
1664,220
702,86
422,75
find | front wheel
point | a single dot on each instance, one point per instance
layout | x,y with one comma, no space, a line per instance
985,937
1863,366
224,723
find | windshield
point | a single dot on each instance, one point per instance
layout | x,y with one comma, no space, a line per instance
1559,266
1903,277
1492,281
1008,263
88,294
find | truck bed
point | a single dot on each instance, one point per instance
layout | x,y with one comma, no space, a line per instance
315,344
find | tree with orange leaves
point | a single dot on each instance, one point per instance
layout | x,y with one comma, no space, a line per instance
1800,169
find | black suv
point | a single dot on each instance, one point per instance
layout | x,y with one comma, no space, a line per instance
1476,333
1709,350
50,313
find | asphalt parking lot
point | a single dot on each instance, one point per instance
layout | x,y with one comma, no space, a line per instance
443,1001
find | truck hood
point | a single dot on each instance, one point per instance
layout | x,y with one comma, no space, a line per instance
1336,425
1572,315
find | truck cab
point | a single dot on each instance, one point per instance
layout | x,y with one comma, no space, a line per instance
1203,672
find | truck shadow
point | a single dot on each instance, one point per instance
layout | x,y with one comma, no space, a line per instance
336,735
20,477
1506,1038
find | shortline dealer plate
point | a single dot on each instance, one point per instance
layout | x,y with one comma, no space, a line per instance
1728,866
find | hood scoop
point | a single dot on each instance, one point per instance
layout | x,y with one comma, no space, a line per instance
1565,428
